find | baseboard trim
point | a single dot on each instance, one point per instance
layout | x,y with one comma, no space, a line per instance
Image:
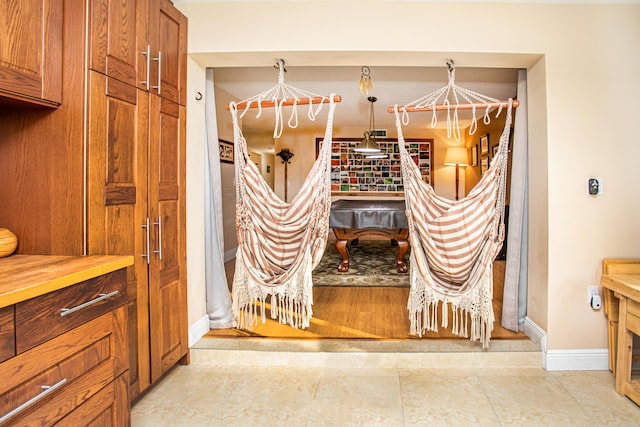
198,330
566,360
536,333
577,360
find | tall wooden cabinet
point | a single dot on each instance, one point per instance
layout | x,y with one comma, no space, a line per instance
103,173
31,51
136,171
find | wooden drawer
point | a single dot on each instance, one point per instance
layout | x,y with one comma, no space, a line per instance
633,316
74,366
7,333
43,318
107,408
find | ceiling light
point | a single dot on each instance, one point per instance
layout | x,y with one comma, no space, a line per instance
369,145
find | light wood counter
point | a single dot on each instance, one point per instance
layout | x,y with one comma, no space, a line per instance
23,277
627,289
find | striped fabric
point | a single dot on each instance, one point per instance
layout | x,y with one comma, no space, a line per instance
454,244
279,243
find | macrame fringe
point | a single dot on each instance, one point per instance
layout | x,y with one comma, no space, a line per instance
290,302
471,311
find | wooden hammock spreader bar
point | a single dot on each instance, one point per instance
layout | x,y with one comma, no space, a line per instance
288,102
444,107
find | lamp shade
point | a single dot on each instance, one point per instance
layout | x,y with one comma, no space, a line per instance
369,145
456,156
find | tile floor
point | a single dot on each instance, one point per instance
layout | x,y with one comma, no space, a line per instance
239,382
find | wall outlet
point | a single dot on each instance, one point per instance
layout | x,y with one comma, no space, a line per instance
595,298
594,186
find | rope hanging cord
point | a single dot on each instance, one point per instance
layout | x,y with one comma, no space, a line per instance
282,95
453,98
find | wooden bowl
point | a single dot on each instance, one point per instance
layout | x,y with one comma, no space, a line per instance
8,242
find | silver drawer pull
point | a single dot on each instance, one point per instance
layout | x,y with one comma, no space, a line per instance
47,389
65,311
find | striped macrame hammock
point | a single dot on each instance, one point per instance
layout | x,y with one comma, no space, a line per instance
279,243
454,243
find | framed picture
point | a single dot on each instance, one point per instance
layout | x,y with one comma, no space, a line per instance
484,144
474,155
226,151
494,151
484,165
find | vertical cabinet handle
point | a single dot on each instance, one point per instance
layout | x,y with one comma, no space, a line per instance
146,227
159,224
159,60
47,389
147,53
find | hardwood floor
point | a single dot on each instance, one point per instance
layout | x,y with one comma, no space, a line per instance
362,312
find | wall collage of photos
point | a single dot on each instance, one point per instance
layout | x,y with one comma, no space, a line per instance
352,172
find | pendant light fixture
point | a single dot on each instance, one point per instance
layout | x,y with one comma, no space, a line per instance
368,144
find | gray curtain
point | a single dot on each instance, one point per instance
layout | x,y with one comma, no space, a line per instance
514,303
217,289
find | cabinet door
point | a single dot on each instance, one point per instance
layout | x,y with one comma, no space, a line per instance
168,35
31,50
167,271
118,39
117,205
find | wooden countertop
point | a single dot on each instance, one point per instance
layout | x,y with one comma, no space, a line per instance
627,285
23,277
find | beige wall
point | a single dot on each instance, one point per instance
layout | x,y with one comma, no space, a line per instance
582,114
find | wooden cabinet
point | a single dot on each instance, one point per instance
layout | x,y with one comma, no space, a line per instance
31,51
167,209
117,134
136,148
141,43
168,31
70,361
104,173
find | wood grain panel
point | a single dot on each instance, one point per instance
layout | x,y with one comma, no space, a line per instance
31,51
171,41
7,333
28,276
167,297
118,201
112,39
41,154
88,357
39,319
119,195
107,408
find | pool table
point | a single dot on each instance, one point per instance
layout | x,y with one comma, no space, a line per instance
354,219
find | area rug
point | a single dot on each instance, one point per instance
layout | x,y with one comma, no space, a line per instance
371,263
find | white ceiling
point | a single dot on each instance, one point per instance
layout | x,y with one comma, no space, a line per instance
391,85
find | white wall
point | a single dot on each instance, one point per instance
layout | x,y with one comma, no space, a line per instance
583,66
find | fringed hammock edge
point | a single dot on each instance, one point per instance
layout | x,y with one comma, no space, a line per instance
279,243
453,246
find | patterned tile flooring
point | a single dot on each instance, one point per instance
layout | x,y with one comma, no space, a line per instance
344,386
